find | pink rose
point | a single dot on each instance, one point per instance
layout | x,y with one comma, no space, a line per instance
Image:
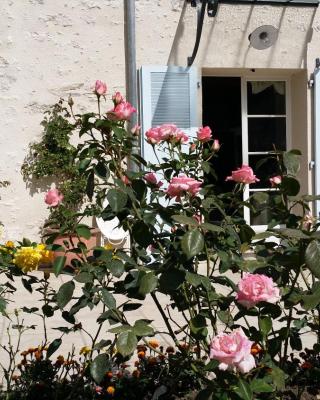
254,288
153,136
233,350
53,197
243,175
216,145
275,180
166,132
204,134
181,184
151,178
121,112
100,88
117,98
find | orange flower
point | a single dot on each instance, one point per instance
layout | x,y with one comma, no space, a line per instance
109,374
141,354
256,349
153,343
111,390
60,360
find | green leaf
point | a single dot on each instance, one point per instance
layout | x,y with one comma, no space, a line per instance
65,294
148,283
142,234
192,243
243,390
292,233
126,343
108,299
291,162
58,264
101,170
84,277
116,267
83,165
211,227
171,280
117,200
90,184
212,365
198,327
265,325
141,328
290,185
310,301
99,366
225,317
312,257
83,231
53,346
278,377
260,386
183,219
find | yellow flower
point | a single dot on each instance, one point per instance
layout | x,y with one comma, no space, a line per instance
10,244
85,350
108,246
27,258
47,255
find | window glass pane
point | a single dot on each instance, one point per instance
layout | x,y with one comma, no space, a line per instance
266,97
266,133
264,167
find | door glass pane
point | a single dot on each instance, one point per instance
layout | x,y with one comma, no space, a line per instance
266,134
266,98
264,167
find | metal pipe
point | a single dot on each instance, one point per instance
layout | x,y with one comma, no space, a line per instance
131,68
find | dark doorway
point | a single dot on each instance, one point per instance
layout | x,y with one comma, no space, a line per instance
222,112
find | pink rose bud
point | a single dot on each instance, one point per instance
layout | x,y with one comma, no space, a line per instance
100,88
117,98
204,134
151,178
121,112
275,181
243,175
198,218
181,185
192,147
166,133
53,197
136,130
233,351
254,288
216,145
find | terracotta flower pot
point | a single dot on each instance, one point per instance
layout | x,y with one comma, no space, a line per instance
94,241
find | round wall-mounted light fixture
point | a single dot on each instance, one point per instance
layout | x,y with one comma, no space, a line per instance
263,37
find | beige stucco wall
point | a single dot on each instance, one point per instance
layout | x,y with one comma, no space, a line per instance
51,49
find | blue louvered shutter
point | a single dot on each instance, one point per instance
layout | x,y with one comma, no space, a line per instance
168,95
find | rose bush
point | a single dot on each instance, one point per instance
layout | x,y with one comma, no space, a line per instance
241,302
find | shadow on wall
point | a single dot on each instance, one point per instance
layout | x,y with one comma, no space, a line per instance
224,41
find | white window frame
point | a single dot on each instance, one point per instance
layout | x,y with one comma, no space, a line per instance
245,141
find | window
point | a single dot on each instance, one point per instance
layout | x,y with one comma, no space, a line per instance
250,118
